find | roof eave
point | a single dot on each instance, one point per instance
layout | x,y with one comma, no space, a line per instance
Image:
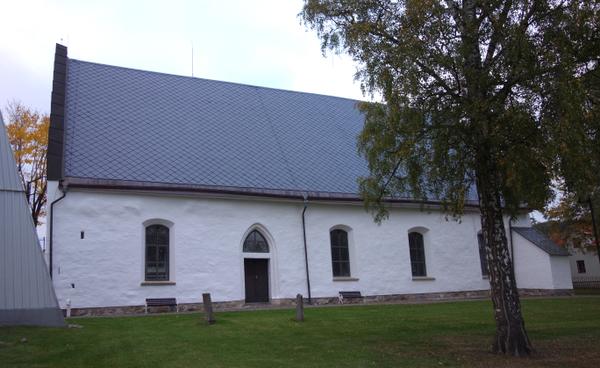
110,184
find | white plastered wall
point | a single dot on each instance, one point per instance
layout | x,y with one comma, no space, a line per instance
561,272
52,193
106,267
590,259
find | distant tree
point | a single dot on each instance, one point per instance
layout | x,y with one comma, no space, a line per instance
476,94
28,135
570,223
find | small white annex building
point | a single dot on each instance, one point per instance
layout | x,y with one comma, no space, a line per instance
165,186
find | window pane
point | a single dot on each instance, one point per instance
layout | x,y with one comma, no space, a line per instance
162,235
256,243
580,266
337,271
344,254
339,238
344,269
150,254
340,255
335,254
417,269
157,253
417,254
163,253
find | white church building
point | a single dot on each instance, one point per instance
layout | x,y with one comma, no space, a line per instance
163,186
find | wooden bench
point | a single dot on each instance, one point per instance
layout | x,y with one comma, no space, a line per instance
161,302
349,295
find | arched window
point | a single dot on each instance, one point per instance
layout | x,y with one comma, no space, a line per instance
482,259
340,256
157,253
256,243
417,254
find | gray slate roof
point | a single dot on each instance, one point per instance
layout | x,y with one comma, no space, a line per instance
541,241
125,125
26,293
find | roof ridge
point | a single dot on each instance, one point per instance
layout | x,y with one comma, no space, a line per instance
213,80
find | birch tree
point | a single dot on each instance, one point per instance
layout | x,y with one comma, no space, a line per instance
476,96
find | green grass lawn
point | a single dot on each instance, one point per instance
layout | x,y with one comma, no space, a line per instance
564,331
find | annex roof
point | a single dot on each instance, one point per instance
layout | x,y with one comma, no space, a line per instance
541,241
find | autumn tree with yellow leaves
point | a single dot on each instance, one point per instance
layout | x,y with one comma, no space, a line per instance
28,136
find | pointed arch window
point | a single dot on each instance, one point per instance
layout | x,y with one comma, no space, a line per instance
256,243
157,253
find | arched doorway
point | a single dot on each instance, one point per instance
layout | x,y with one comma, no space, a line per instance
256,267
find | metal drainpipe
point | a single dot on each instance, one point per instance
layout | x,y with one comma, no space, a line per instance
305,248
64,194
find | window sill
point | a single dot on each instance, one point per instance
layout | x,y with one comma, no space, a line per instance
345,279
423,278
157,283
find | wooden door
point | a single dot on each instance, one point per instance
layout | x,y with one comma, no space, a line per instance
256,272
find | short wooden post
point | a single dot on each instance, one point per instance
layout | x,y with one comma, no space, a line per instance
299,308
208,309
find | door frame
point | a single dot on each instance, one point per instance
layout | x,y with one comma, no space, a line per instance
273,273
268,278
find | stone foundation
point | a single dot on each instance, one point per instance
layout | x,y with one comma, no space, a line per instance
291,302
546,292
141,309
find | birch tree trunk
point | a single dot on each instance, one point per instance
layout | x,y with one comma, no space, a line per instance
511,336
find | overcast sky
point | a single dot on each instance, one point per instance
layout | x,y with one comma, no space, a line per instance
258,42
